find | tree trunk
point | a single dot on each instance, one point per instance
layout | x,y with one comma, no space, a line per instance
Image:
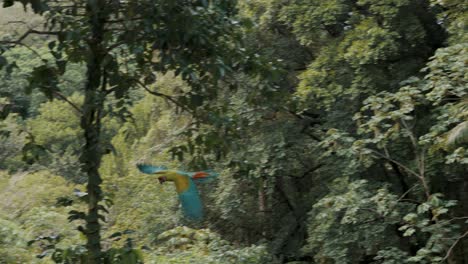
91,125
464,209
290,232
262,205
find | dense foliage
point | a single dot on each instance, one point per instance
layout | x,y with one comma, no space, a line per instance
339,129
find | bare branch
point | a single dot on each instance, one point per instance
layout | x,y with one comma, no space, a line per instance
397,163
312,169
123,20
406,193
26,34
454,219
19,41
64,98
16,22
115,45
30,49
165,96
450,250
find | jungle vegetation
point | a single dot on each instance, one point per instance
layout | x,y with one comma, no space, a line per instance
339,129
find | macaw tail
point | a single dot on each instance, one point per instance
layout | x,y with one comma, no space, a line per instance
204,176
191,205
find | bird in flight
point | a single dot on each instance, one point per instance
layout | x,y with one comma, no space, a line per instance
185,186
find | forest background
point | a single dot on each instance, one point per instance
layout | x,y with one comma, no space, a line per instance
339,129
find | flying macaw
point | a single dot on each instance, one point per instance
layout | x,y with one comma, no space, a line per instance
185,187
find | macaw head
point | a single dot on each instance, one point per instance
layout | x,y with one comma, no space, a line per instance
166,175
162,179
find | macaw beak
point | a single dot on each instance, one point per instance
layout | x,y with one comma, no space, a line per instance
162,179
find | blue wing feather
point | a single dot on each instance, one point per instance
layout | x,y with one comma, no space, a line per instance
150,169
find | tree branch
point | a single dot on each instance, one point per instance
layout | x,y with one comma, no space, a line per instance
406,193
312,169
62,97
27,33
397,163
165,96
449,252
124,20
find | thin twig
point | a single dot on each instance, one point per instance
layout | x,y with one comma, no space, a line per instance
27,33
397,163
420,156
124,20
449,252
19,41
454,219
16,22
32,50
165,96
61,96
406,193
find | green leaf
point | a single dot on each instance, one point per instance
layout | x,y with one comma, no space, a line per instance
102,208
116,235
64,201
409,232
76,215
458,135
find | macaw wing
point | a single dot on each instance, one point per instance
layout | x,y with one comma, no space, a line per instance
204,176
150,169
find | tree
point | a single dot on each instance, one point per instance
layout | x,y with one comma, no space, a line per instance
198,40
368,67
355,154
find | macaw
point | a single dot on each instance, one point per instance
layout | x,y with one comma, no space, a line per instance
185,186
